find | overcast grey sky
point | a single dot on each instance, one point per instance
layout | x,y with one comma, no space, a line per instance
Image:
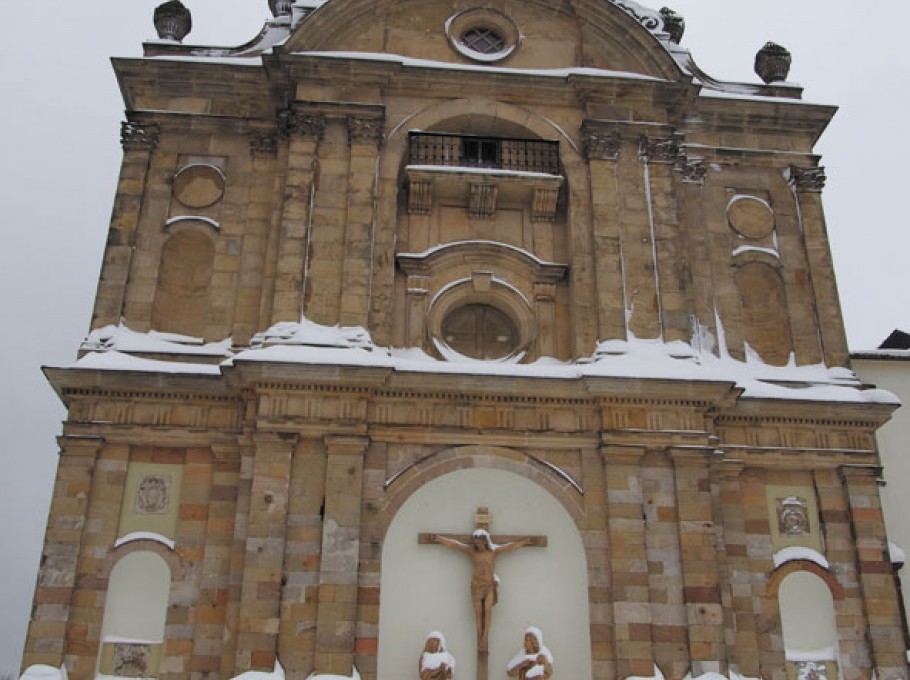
60,154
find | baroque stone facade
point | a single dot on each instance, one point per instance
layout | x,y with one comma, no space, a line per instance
385,244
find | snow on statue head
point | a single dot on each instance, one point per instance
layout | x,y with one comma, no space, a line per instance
435,662
481,537
534,661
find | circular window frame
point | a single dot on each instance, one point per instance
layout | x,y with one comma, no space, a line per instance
482,19
500,296
215,172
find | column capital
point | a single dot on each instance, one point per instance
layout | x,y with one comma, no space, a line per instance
659,149
82,447
622,454
859,473
694,457
292,123
343,445
600,142
139,136
810,180
365,130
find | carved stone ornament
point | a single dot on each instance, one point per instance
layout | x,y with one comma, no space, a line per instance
482,201
280,8
659,150
173,21
793,516
674,24
365,130
693,170
265,143
295,124
138,136
772,63
646,17
153,494
600,145
806,179
131,660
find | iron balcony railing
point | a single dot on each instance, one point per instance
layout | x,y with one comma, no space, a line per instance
470,151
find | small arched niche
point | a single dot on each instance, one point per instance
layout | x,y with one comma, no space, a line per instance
135,611
808,626
428,587
765,317
184,274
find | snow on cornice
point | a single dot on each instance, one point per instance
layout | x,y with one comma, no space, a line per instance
481,68
123,339
309,343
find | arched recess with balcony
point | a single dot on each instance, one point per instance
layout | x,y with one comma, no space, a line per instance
497,184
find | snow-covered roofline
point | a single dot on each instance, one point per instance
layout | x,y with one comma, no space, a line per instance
665,26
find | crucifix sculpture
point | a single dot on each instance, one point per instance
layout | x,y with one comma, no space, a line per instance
483,549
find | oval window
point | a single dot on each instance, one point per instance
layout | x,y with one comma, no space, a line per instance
480,332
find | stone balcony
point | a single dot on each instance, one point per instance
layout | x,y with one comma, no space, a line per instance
483,171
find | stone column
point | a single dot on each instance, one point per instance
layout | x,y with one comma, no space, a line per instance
336,615
545,299
628,560
365,137
303,133
807,184
602,147
260,596
46,641
880,597
737,596
700,561
138,141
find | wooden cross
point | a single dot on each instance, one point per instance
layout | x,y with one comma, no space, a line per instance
483,548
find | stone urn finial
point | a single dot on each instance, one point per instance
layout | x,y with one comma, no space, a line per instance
280,8
173,21
772,63
674,24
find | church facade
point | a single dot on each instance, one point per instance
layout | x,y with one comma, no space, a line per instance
519,277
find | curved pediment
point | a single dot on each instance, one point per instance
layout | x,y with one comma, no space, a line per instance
612,35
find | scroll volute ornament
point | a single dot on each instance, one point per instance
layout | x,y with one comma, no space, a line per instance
772,63
173,21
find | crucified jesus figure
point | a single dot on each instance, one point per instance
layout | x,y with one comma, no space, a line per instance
484,583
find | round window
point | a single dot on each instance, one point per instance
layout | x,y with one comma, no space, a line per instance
483,40
483,34
480,332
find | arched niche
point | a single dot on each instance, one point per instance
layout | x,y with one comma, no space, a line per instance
808,625
184,274
766,322
427,587
135,612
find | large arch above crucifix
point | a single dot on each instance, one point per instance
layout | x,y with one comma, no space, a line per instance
426,589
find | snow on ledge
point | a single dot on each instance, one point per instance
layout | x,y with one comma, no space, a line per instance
711,675
123,339
898,556
353,676
144,536
277,674
43,672
308,343
118,361
798,552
